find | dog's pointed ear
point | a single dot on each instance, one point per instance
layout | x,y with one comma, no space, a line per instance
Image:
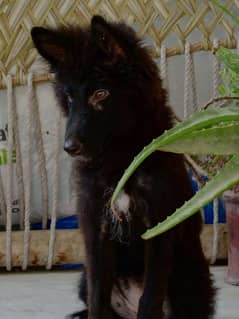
49,45
104,39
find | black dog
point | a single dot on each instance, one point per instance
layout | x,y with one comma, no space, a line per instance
108,87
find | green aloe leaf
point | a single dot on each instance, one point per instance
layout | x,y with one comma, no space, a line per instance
201,123
222,139
225,179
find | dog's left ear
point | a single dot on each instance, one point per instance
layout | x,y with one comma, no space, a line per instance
104,39
51,45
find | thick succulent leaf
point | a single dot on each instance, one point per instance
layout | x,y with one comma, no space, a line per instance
225,179
203,120
222,139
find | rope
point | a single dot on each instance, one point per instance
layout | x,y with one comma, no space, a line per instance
3,208
54,193
19,169
186,82
215,231
163,66
215,71
193,85
215,86
42,159
190,94
28,172
10,106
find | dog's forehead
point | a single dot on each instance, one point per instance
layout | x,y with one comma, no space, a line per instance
82,67
84,63
83,79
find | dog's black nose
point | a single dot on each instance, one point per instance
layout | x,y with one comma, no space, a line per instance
72,146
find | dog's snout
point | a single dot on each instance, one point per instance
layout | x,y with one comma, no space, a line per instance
72,146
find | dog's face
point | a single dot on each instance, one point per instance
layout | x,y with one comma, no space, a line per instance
92,71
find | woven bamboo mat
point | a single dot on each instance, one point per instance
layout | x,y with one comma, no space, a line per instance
154,19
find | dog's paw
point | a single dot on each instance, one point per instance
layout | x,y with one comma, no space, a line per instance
74,315
78,315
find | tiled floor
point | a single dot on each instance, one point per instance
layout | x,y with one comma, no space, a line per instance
52,295
228,296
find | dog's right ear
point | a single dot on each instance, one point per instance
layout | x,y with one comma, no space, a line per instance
105,40
49,44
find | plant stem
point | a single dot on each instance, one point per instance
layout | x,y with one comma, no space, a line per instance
197,170
218,99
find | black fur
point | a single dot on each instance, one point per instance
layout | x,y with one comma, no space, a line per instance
105,131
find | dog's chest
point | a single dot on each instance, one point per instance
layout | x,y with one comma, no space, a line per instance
125,200
122,203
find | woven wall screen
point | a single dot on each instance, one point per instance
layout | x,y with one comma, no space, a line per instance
158,20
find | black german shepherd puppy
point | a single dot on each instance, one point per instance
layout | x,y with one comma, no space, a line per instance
109,88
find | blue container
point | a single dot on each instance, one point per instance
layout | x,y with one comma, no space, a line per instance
71,222
208,209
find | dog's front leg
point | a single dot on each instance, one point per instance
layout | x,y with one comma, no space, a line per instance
100,275
157,270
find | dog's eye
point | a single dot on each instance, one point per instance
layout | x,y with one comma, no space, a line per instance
101,94
97,97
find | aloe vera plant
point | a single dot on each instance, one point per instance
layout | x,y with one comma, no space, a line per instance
212,131
224,180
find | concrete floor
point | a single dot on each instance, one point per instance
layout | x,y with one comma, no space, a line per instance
52,295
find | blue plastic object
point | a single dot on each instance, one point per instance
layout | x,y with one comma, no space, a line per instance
208,209
71,222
